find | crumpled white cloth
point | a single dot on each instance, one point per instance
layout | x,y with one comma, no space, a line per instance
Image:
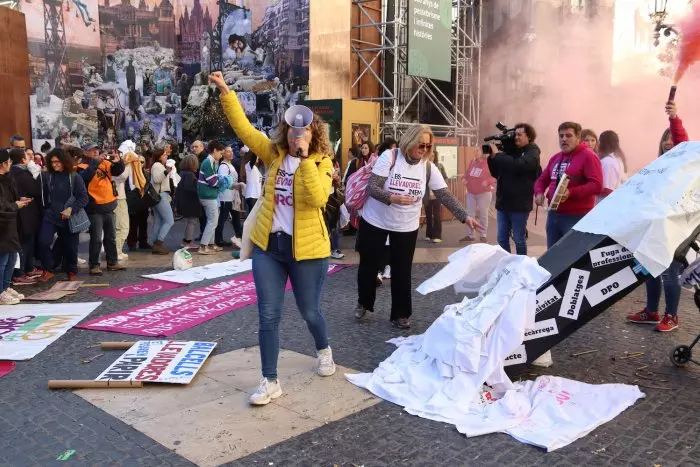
127,147
653,212
440,375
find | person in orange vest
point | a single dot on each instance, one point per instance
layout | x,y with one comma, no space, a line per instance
97,174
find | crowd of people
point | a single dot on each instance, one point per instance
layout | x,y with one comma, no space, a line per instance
290,187
49,199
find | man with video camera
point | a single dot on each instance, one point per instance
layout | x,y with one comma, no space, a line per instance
516,168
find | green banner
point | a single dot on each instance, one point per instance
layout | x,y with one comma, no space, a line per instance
429,39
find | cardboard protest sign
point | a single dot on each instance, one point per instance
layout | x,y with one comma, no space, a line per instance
175,362
26,330
59,290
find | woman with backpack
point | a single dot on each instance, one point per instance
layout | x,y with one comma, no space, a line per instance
395,192
290,237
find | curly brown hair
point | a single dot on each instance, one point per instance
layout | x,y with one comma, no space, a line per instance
320,144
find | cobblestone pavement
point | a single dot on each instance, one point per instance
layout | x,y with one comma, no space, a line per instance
36,424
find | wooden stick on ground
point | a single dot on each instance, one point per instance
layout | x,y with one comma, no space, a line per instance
584,353
88,383
116,345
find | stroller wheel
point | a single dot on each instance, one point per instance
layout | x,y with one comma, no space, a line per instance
680,355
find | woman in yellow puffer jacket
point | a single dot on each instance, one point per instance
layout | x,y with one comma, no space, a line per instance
290,236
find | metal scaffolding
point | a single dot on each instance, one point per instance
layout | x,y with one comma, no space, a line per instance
55,48
404,97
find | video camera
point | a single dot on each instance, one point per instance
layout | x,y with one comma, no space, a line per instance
505,141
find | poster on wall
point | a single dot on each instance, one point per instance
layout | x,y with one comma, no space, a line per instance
64,41
262,49
138,45
108,70
448,154
361,132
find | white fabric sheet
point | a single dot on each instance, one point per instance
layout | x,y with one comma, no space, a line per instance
202,273
440,375
654,211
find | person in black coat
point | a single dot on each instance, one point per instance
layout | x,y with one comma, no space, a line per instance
187,198
516,175
64,194
28,186
10,204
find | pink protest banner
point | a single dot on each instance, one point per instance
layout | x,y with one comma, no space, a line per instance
175,314
138,289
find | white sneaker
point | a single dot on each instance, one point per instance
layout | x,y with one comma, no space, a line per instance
267,390
122,256
337,255
81,261
437,240
387,272
236,242
326,365
544,360
15,294
8,299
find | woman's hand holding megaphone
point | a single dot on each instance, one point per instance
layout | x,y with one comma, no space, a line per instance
302,148
217,78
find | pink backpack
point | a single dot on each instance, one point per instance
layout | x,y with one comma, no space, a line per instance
356,185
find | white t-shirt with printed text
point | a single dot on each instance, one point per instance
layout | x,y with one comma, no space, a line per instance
283,212
253,178
403,179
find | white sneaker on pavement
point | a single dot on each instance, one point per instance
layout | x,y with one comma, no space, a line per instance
337,255
387,272
122,256
266,392
8,299
15,294
326,365
81,261
236,242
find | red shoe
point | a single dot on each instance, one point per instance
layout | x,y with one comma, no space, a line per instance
45,276
644,317
36,272
71,276
24,280
669,323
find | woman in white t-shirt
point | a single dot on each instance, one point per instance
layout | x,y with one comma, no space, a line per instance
396,189
612,160
253,180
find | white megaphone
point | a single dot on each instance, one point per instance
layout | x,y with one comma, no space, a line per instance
298,117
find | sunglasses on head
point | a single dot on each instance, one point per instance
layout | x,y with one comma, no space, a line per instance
425,147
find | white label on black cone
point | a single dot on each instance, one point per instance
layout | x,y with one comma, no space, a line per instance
546,298
610,286
545,328
609,255
573,295
517,357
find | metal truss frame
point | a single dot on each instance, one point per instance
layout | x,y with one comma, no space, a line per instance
401,94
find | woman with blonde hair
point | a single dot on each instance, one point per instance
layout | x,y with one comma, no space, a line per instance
589,137
396,188
290,236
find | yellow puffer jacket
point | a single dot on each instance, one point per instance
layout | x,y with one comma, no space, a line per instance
312,186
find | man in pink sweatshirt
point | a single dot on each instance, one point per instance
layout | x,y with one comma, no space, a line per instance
582,166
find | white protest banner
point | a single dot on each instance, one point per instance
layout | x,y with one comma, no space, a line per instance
207,272
175,362
26,330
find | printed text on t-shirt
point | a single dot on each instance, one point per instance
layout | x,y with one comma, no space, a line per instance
283,188
407,185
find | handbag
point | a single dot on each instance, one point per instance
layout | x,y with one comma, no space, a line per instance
248,225
150,196
78,220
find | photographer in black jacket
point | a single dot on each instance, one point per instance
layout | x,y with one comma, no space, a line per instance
516,174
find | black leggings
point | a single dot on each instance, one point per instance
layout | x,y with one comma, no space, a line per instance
372,244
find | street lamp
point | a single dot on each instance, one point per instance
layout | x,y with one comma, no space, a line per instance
658,16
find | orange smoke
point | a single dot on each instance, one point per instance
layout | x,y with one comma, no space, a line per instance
689,51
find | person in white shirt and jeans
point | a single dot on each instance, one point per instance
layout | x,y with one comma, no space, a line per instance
613,163
396,188
230,203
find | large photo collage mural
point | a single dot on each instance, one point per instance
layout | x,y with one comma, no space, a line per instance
104,71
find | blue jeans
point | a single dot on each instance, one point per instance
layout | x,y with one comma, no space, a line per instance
515,222
7,267
670,282
162,217
559,224
271,269
211,210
